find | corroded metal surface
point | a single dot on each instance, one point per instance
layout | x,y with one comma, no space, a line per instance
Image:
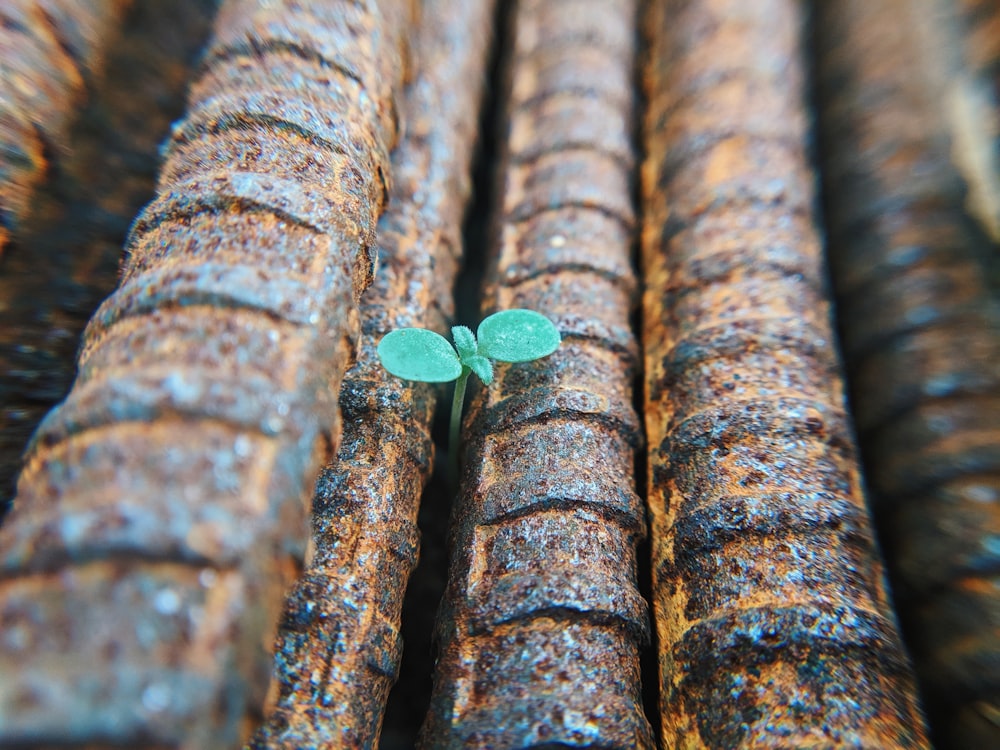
773,620
922,346
338,642
50,50
161,511
66,254
542,623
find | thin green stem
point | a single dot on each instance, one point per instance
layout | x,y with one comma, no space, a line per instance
457,402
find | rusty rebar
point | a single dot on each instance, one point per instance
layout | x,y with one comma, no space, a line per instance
50,51
922,347
542,622
773,621
161,512
338,642
68,248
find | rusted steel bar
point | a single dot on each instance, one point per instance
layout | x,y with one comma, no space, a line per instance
542,623
49,51
922,346
68,249
773,621
338,641
161,511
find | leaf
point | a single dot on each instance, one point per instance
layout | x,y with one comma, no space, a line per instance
419,354
465,342
482,367
517,336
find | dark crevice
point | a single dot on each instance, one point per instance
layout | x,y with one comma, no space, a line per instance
409,700
482,222
649,665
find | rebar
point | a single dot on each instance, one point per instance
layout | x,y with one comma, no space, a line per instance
542,623
774,625
169,491
339,645
922,346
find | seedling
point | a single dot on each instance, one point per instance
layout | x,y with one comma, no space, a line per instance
507,336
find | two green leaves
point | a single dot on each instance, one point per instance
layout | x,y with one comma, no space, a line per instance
506,336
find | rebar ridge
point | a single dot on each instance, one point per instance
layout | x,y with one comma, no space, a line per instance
342,619
922,346
50,51
541,626
773,621
168,491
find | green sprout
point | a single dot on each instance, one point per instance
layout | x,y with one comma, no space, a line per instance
507,336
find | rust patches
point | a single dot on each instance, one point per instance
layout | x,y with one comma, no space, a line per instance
922,347
50,53
773,621
339,647
542,624
171,483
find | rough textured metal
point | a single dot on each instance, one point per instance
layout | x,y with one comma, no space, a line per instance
922,345
49,51
773,621
542,623
161,511
338,646
65,257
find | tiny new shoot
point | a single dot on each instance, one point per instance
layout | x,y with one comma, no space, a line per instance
506,336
